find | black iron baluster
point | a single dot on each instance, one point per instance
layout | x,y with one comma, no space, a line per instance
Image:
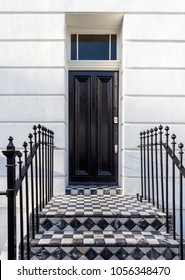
27,203
36,179
10,154
181,201
161,163
19,154
43,167
141,155
167,193
156,167
144,159
46,167
148,163
49,162
152,165
173,186
32,186
52,160
40,170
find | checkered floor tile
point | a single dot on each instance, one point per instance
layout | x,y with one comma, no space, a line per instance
102,227
97,205
89,238
93,190
102,245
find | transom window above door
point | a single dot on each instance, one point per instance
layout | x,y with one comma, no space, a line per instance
93,47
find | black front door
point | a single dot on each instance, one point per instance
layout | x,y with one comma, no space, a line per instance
93,127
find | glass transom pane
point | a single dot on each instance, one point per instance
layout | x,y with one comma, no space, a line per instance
93,47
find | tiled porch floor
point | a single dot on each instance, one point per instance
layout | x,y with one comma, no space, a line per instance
100,205
102,227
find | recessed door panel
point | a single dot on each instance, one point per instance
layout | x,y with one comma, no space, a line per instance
105,136
82,126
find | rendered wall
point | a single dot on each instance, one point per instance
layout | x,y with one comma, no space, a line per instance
33,73
154,84
32,83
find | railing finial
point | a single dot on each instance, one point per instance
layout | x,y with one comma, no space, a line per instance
173,144
181,153
10,145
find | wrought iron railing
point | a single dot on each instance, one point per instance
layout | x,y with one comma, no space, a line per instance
33,187
159,177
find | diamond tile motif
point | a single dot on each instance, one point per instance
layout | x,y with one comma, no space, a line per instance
103,223
137,254
116,224
47,224
143,224
59,254
122,254
157,224
88,226
75,224
168,254
106,254
42,254
61,224
74,254
91,254
153,254
129,224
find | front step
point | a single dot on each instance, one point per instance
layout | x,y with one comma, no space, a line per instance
104,245
123,213
93,190
102,227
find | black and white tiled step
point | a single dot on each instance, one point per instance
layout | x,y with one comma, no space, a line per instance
102,223
123,213
93,190
102,227
104,245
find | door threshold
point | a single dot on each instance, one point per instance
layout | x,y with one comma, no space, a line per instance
93,190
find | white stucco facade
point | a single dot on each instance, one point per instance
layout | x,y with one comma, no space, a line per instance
34,65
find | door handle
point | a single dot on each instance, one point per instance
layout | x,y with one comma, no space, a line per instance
116,149
115,119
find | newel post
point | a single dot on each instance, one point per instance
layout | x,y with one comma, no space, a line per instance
10,154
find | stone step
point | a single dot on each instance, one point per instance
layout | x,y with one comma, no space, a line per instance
100,212
93,190
104,245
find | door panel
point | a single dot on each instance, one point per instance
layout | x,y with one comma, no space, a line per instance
82,119
105,135
92,131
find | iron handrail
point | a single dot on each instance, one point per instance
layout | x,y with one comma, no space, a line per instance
38,190
154,151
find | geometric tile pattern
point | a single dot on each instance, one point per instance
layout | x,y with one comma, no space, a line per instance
96,238
104,253
99,206
93,190
102,223
101,226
